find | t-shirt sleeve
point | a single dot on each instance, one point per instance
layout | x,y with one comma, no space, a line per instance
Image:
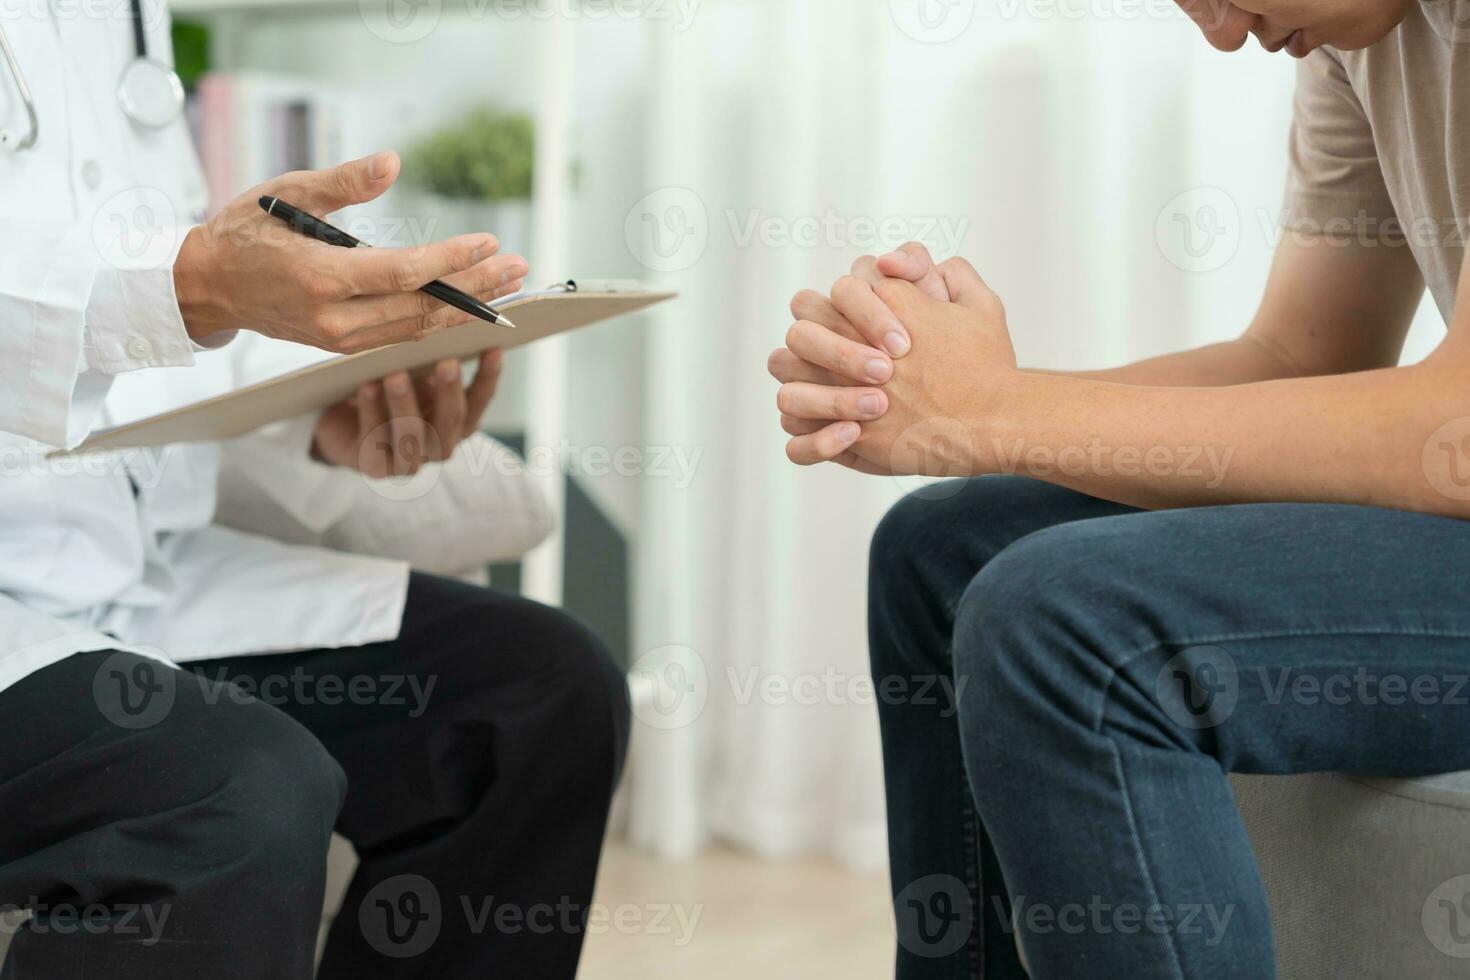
1335,185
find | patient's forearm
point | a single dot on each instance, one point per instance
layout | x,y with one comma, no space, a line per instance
1387,438
1236,362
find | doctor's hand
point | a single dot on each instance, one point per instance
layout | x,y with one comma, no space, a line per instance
934,415
247,270
394,426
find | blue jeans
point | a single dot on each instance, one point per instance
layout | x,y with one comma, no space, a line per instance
1065,682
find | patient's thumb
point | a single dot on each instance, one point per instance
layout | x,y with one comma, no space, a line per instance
914,263
966,286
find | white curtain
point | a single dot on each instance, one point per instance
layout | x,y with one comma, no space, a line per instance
1049,143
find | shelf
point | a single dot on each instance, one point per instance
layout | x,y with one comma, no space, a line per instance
196,7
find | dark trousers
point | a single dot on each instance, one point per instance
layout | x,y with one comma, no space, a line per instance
174,824
1065,682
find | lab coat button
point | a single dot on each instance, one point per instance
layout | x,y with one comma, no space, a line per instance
140,348
91,174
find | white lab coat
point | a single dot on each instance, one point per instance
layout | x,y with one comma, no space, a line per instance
121,551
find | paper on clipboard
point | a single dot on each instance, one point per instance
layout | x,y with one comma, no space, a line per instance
538,314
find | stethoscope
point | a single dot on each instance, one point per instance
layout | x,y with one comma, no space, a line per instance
149,91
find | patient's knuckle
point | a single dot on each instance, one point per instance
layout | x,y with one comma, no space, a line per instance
777,361
804,302
786,400
847,288
890,291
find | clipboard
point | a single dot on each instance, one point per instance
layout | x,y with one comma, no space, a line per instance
538,314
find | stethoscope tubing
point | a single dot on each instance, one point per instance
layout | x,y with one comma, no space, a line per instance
25,97
140,46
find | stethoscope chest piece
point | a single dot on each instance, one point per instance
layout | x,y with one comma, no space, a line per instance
150,93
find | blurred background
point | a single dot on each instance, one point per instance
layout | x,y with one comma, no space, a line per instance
1115,180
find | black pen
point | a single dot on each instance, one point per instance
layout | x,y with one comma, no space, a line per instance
314,227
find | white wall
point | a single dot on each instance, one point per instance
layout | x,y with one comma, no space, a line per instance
1075,149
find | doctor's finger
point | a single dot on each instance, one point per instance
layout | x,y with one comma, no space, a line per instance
409,432
489,279
482,389
414,328
853,361
879,325
484,281
368,271
321,192
449,409
826,444
809,401
375,454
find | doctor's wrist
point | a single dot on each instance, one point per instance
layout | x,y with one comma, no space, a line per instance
195,290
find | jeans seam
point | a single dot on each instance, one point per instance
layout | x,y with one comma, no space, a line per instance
975,943
1142,649
1149,647
1153,892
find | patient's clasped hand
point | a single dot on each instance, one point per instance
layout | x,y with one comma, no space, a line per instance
878,376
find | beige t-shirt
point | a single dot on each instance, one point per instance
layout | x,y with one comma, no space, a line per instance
1380,143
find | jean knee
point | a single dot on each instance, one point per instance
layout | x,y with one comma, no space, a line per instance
909,532
1018,662
902,590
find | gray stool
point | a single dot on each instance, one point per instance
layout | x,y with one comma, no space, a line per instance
1368,878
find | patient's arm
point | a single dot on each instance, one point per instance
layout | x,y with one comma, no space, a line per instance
1340,433
1330,307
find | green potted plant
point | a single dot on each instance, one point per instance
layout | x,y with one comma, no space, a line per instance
479,168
